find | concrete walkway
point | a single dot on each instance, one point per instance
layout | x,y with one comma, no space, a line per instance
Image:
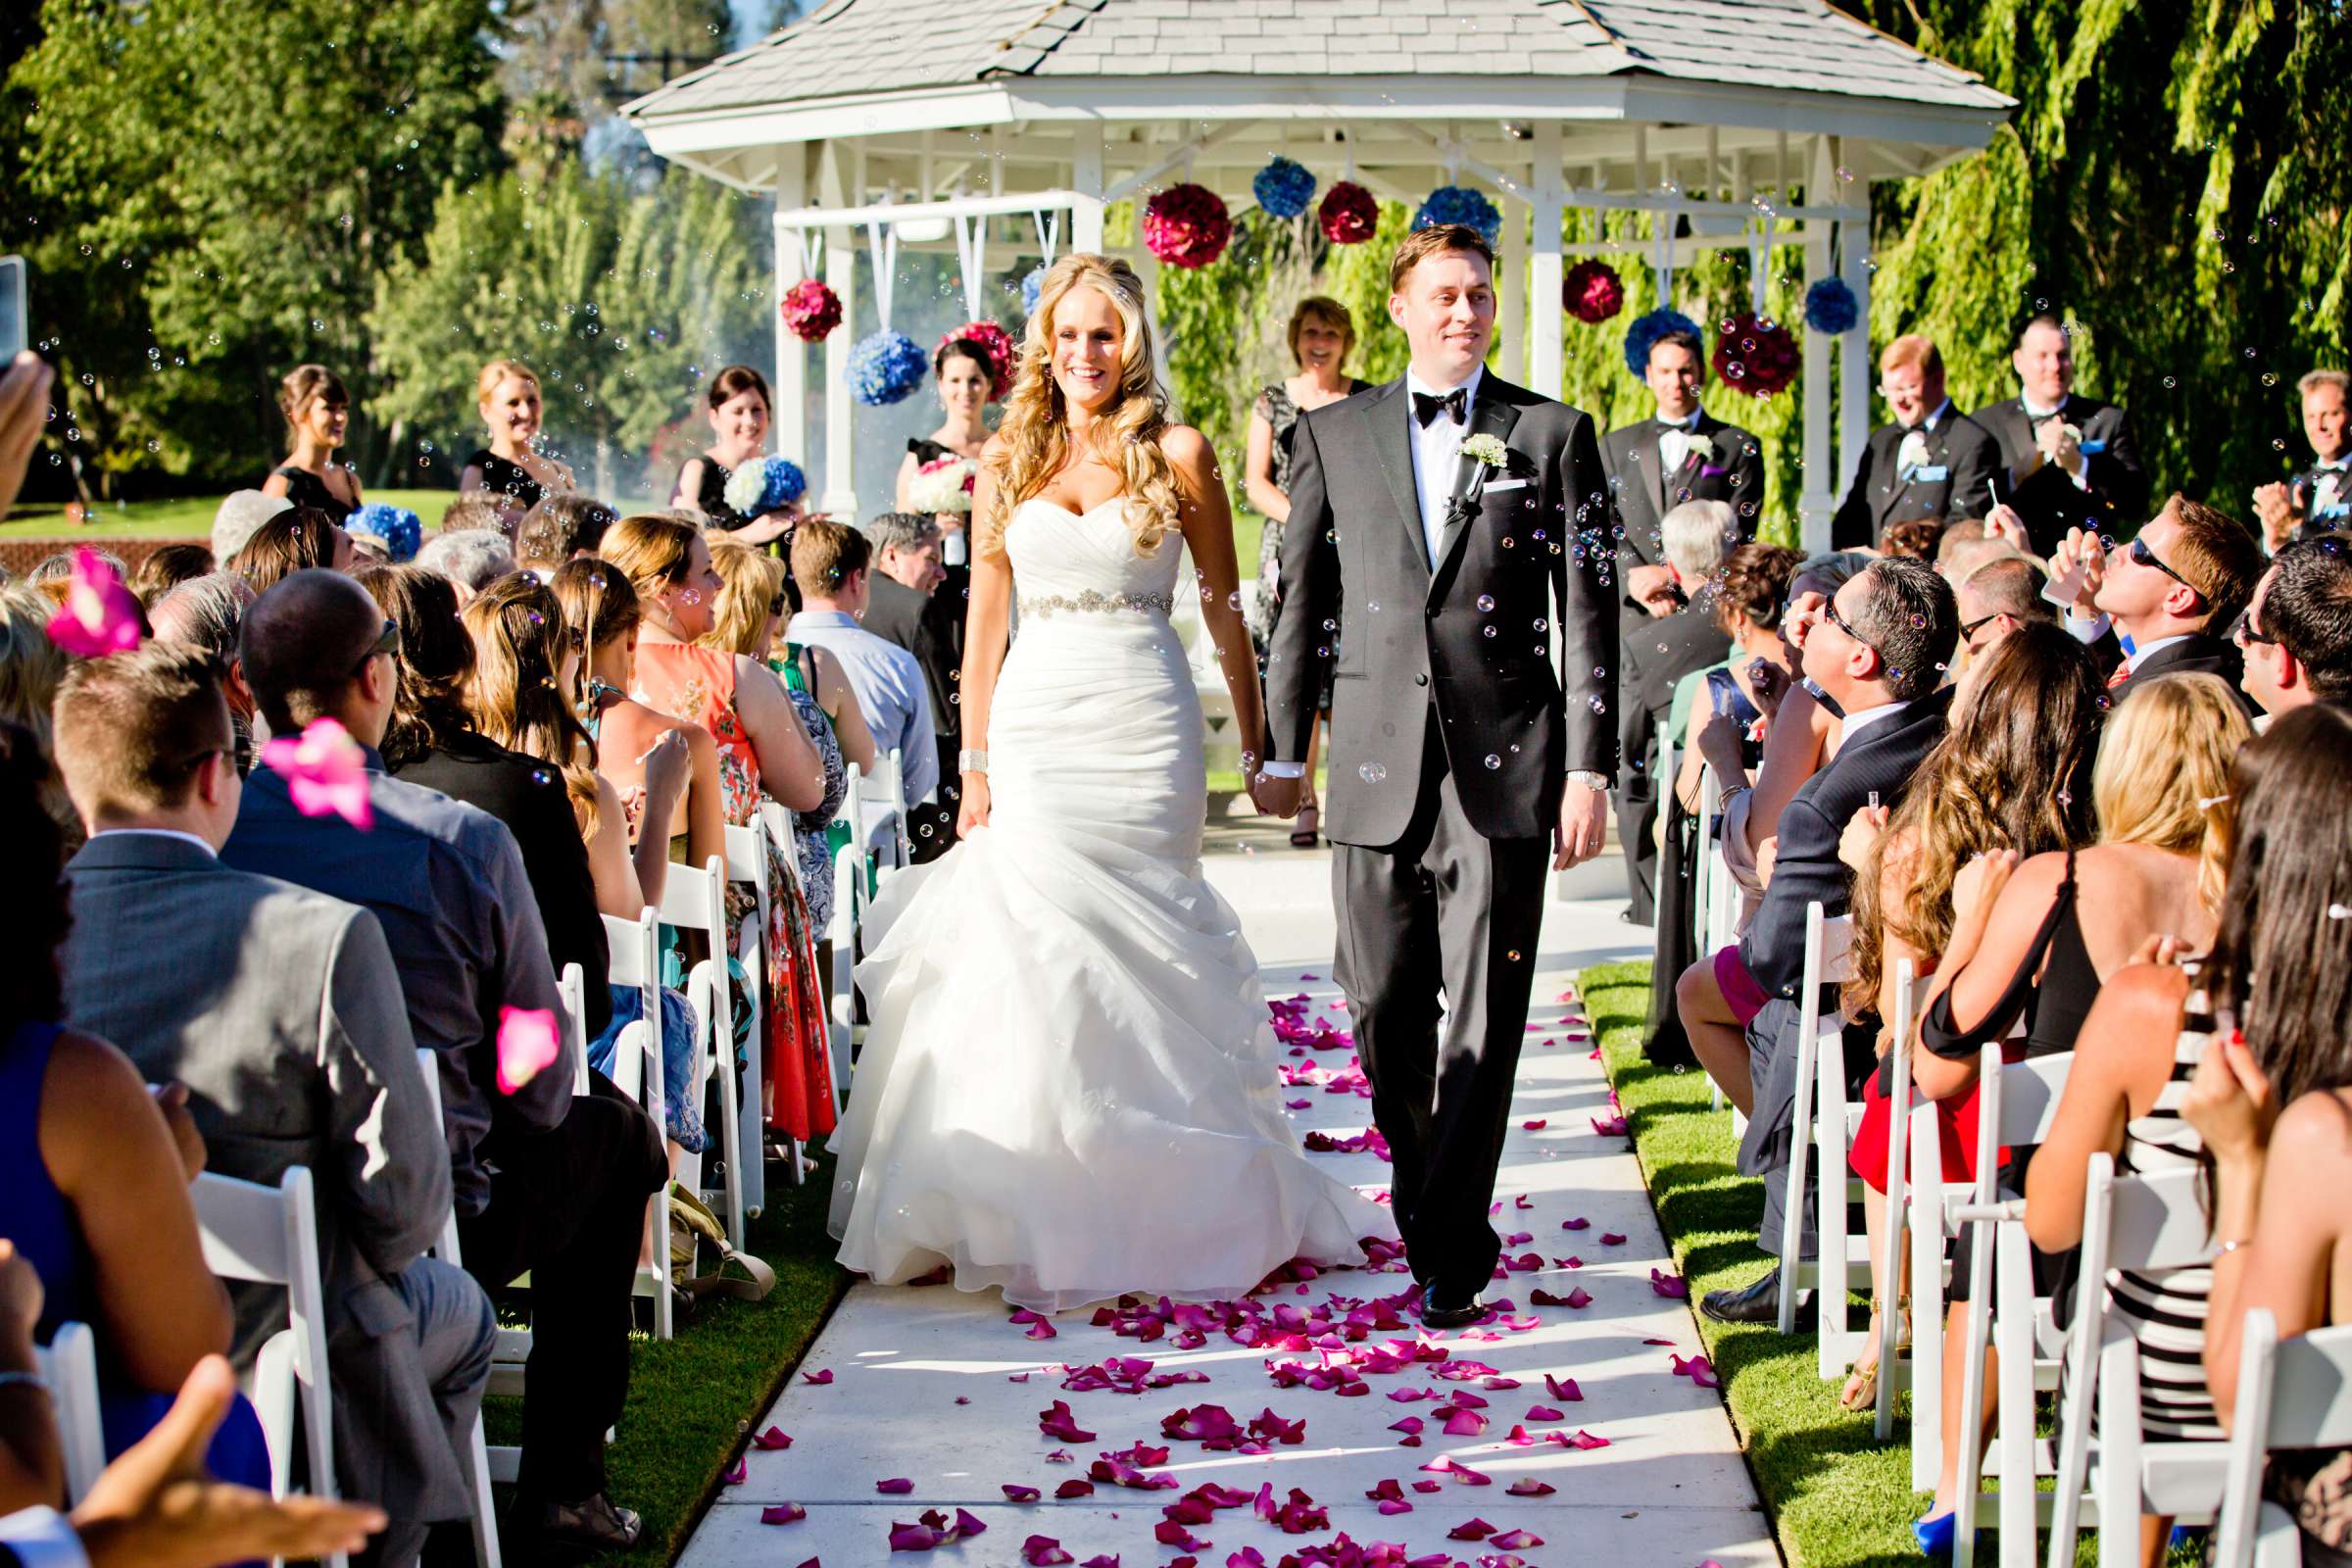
922,1383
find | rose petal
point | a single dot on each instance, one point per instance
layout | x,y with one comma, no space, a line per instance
325,772
894,1487
820,1377
1576,1224
1043,1551
773,1438
1536,1124
1586,1439
734,1476
1563,1389
1019,1493
915,1538
1530,1487
99,615
1473,1529
1428,1485
1074,1488
1671,1285
1543,1412
1514,1540
1611,1239
787,1513
1465,1424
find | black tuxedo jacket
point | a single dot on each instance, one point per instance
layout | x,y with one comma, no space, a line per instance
2322,499
1806,869
2048,499
931,628
1524,555
1656,656
1642,495
2195,654
1956,481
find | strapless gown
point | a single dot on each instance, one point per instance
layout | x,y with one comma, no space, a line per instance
1069,1088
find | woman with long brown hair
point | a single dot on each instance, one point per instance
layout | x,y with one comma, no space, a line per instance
317,413
299,539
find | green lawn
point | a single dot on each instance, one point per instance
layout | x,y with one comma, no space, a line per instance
190,518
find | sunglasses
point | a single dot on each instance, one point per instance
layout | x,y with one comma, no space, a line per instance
2142,555
1828,613
2247,635
386,641
1970,628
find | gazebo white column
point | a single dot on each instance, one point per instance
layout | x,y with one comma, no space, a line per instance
1816,500
841,271
1085,178
1856,364
1512,323
1546,365
792,355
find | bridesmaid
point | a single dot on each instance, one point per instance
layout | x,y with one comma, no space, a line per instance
741,412
512,467
318,414
1322,335
963,373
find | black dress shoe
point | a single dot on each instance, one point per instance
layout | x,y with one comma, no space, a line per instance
1760,1302
1438,1314
594,1524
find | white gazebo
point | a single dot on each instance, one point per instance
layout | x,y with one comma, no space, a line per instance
1010,125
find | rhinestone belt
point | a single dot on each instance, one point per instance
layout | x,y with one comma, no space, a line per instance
1095,602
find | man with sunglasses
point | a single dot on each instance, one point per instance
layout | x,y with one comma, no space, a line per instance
1995,599
2168,598
2296,634
1931,462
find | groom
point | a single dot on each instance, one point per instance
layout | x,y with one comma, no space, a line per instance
1456,527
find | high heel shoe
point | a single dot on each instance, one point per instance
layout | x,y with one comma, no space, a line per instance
1310,820
1936,1533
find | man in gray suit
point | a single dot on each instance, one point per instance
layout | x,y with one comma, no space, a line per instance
282,1011
1448,519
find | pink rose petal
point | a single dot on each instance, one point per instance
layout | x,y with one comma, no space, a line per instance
1014,1492
1058,1422
1563,1389
1576,1224
968,1524
1074,1488
1043,1551
734,1475
1609,1126
1543,1413
895,1486
1470,1530
528,1043
1514,1540
1530,1487
99,616
325,772
773,1438
1536,1124
1586,1439
1611,1239
1671,1285
819,1378
1465,1424
787,1513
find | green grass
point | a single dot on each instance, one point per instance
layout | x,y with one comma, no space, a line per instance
692,1401
189,517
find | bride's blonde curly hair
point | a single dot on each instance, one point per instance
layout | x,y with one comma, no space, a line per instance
1033,442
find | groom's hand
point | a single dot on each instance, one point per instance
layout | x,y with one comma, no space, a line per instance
1275,796
1584,815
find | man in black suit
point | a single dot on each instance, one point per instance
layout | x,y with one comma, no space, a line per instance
1657,653
2169,598
2068,461
1684,453
1456,524
1877,650
1932,462
2319,500
907,605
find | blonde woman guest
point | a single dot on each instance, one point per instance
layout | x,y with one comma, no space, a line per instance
1322,334
31,668
964,380
1062,1162
512,467
318,414
741,415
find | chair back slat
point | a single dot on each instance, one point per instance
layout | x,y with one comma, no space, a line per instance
2157,1220
695,899
2311,1395
2030,1092
244,1229
69,1364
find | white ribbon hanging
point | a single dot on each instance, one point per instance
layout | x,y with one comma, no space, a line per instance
811,248
1048,232
1759,257
1661,253
882,243
971,249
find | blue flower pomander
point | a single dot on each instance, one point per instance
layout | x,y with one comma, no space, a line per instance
399,529
1645,332
1030,287
886,367
1459,204
1283,188
1831,307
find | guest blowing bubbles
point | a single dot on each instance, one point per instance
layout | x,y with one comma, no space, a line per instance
740,414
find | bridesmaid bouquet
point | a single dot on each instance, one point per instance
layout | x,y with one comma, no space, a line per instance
944,485
758,488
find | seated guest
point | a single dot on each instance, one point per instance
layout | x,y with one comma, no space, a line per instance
1877,650
477,511
1932,462
434,741
295,1051
472,559
1684,453
2170,595
909,604
293,541
1995,600
239,516
1914,537
544,1181
1655,655
561,528
165,568
2067,461
31,666
831,561
2319,500
2270,999
53,574
206,612
1749,594
95,1167
2296,634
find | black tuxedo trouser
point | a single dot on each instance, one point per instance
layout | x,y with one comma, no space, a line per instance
569,1205
1443,909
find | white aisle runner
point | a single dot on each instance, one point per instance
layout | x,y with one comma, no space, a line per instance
922,1383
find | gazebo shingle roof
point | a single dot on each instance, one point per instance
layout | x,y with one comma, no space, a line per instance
866,46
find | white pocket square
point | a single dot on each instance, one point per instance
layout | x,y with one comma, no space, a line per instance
1497,486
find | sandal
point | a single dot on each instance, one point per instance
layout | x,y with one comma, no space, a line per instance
1303,835
1861,1390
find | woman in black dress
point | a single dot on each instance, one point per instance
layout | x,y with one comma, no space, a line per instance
965,384
1322,335
512,467
317,413
740,413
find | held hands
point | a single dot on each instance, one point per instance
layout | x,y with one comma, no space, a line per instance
2229,1100
1276,797
1719,743
1863,830
1584,819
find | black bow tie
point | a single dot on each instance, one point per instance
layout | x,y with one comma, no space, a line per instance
2040,420
1456,404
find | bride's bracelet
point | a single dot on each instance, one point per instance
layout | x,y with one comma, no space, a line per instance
971,761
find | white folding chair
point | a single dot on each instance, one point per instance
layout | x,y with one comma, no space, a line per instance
696,900
1886,1271
636,961
69,1364
485,1520
270,1236
885,803
1819,1115
747,862
2145,1223
2291,1393
571,986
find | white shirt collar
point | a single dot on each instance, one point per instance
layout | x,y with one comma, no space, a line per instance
2036,412
2141,651
1689,422
1936,417
160,833
1468,384
1856,723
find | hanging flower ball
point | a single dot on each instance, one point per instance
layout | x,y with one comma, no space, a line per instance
1645,332
999,344
1283,188
1187,225
1593,291
1459,204
399,529
885,367
1032,285
812,309
1756,355
1831,307
1349,215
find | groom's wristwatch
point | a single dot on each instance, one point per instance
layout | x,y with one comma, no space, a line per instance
971,761
1598,782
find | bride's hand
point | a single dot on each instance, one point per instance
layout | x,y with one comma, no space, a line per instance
974,812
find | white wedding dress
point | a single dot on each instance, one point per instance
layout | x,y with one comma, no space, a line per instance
1069,1088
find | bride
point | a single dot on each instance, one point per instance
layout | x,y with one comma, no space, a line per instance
1069,1088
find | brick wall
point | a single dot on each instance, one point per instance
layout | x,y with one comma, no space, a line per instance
20,555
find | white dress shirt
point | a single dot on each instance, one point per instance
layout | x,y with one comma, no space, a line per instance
1674,444
2081,478
1855,723
1436,452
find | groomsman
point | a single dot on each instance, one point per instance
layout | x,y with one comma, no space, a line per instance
1932,462
2068,461
2319,500
1684,453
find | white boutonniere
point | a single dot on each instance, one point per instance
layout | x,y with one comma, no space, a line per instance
1701,447
1913,452
1488,451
